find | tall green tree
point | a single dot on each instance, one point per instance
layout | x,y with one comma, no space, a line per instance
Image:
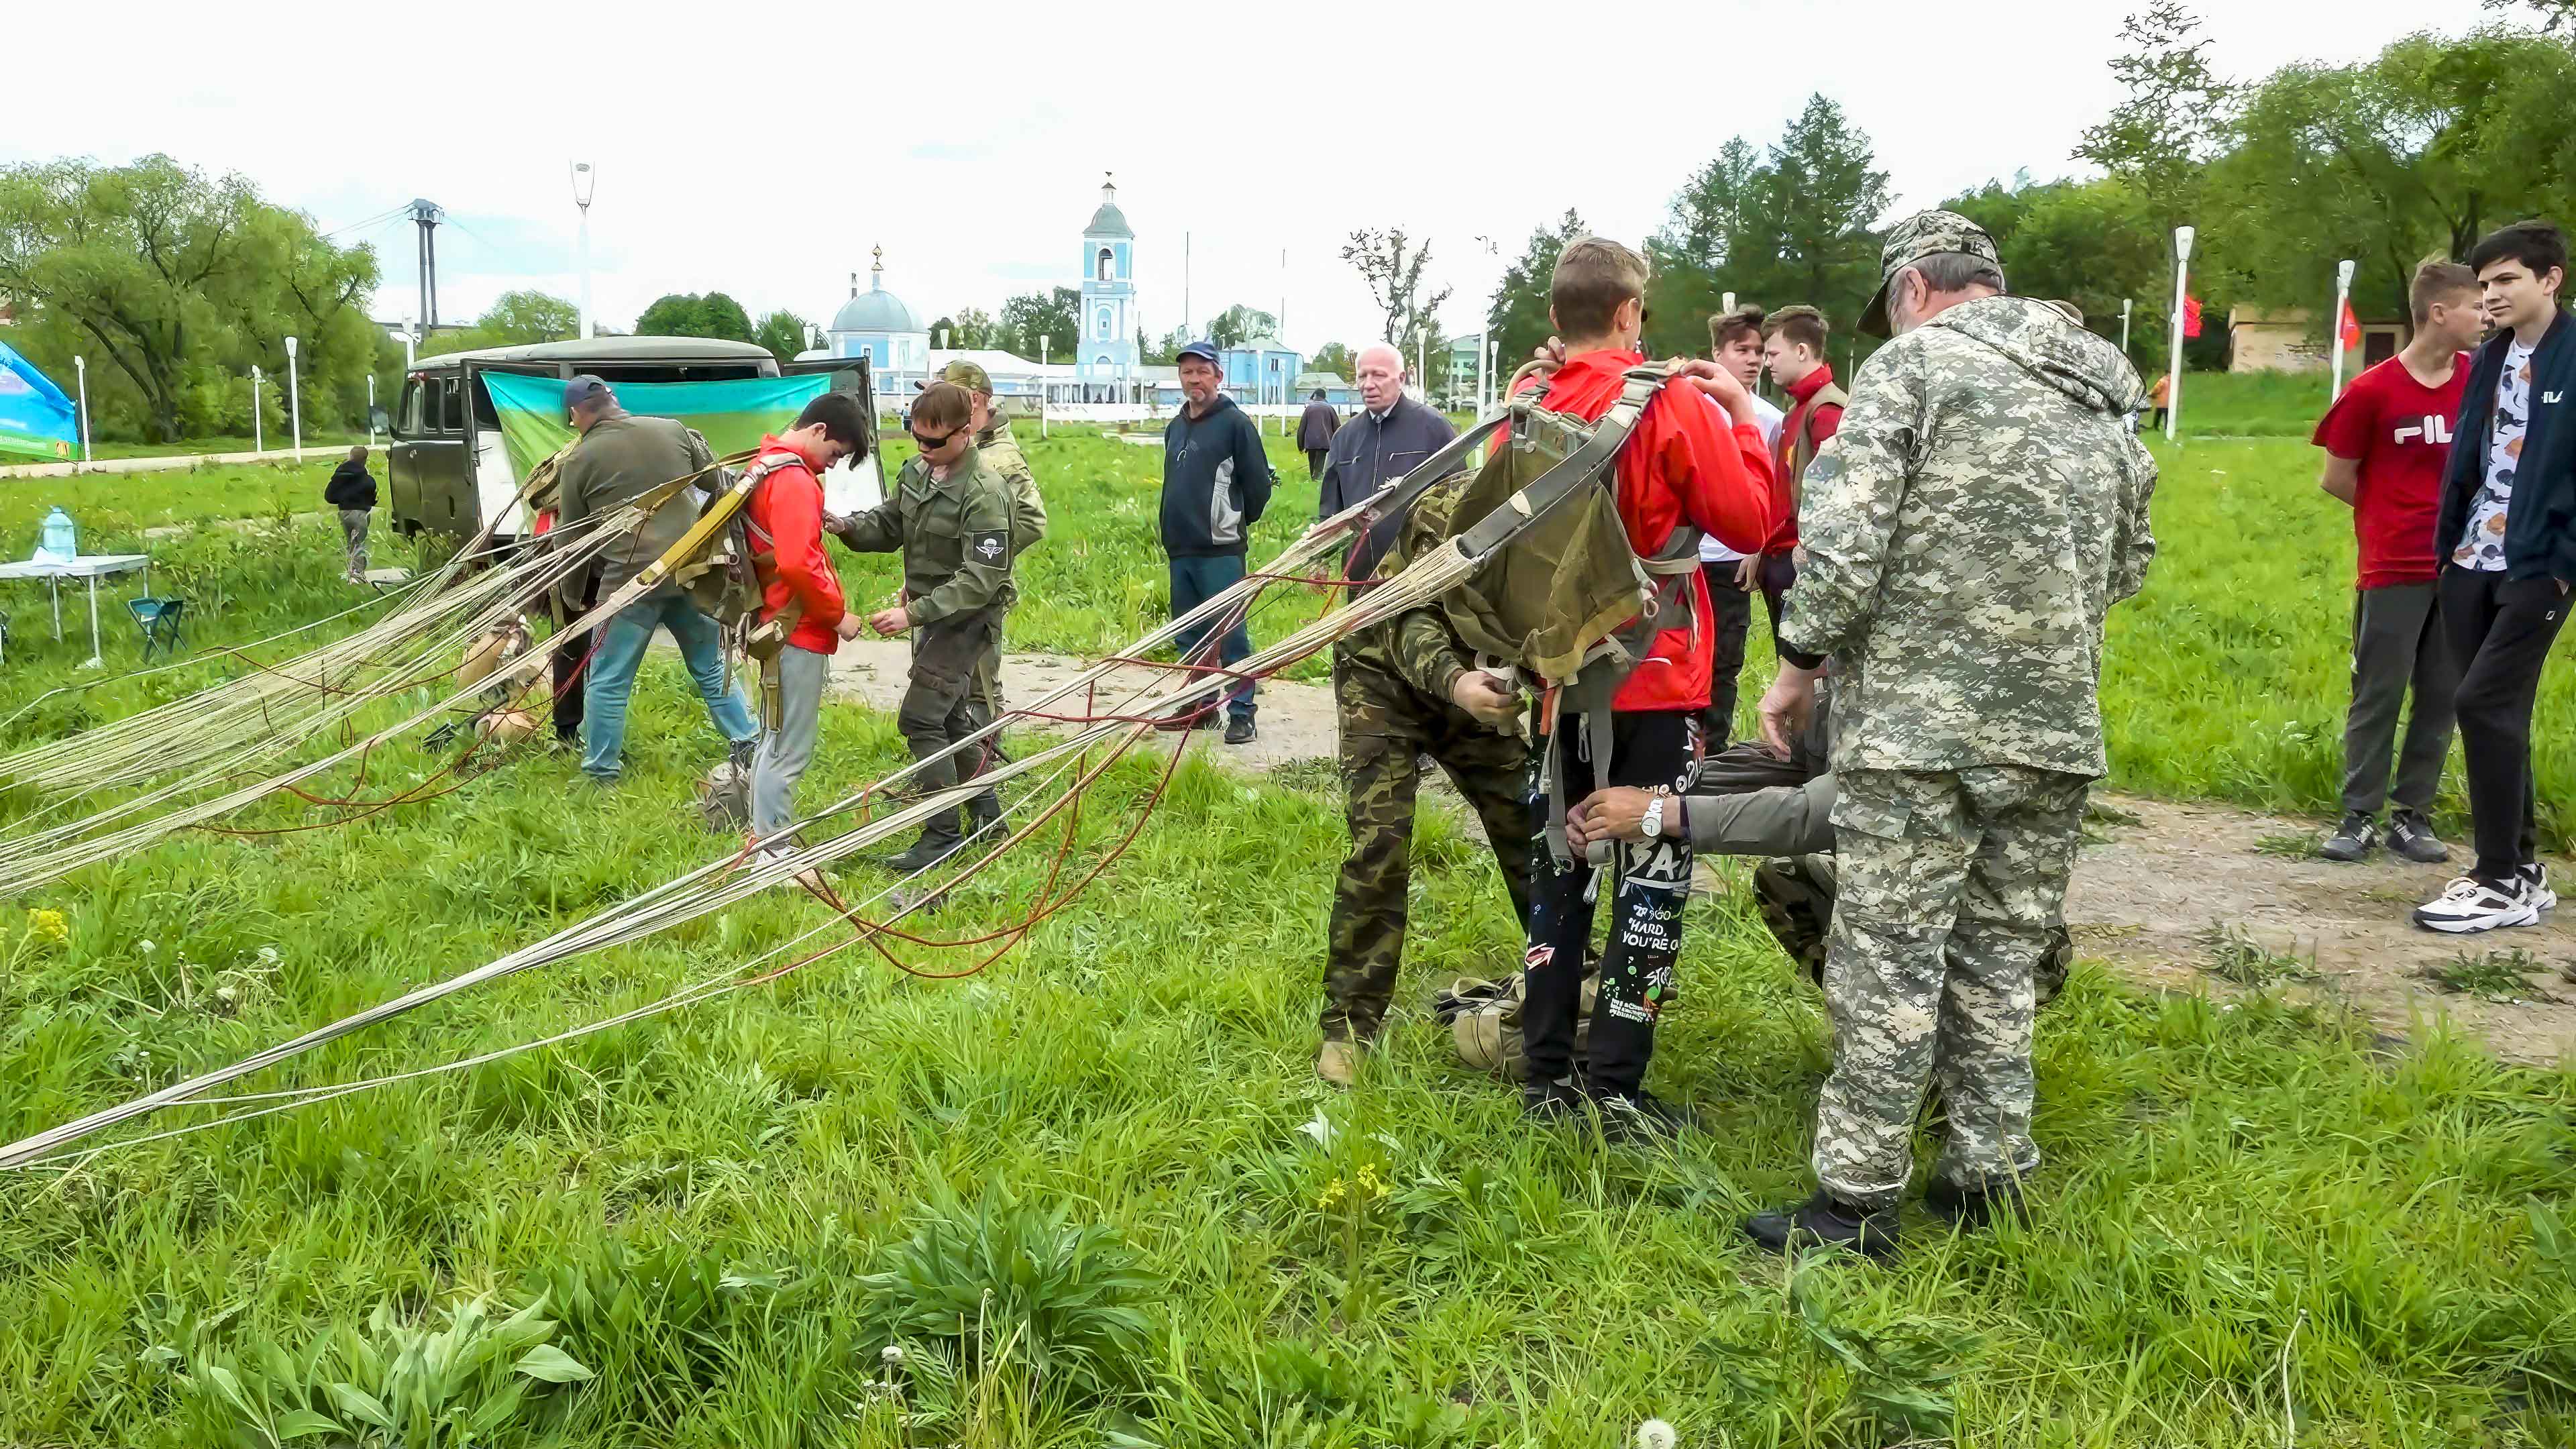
2086,242
1054,315
785,334
2172,121
1335,358
1706,248
175,284
2422,149
1240,324
514,319
1517,312
1392,265
689,314
1818,195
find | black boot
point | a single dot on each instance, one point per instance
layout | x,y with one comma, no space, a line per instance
939,840
1821,1222
1974,1207
741,753
984,818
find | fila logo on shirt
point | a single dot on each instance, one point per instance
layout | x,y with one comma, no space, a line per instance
2551,397
2436,429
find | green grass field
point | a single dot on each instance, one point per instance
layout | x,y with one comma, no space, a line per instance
1075,1190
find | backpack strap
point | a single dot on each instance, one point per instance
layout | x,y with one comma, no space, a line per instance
1383,521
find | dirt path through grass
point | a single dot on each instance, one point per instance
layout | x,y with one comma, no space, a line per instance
2177,895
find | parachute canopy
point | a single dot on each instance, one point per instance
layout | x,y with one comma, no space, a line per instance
732,413
36,420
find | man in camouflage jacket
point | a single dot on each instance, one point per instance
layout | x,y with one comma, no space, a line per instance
1001,453
1965,533
1404,690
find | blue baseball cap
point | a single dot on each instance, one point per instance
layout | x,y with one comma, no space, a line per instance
1205,350
581,389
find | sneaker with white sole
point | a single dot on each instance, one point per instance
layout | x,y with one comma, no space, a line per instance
2536,886
2470,904
2354,839
2411,835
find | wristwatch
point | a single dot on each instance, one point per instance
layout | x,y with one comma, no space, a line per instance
1654,821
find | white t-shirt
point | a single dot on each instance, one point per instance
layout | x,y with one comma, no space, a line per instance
1768,419
2482,546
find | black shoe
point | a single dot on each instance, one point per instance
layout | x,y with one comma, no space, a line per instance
742,751
935,845
1239,731
1641,1118
983,814
2356,837
1975,1207
1551,1101
1821,1222
2411,836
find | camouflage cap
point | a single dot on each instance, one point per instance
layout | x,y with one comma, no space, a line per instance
967,375
1924,234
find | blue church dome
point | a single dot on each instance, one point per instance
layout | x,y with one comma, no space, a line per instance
876,309
1108,220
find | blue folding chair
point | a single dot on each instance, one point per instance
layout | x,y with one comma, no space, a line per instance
160,621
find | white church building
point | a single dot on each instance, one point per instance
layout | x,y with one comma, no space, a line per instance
1105,371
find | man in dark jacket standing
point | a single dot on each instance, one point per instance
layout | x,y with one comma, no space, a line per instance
352,490
1216,484
1315,429
2507,538
1391,433
619,459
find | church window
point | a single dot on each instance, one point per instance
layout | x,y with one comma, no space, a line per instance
1103,321
1104,265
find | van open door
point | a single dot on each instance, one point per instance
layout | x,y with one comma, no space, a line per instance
848,487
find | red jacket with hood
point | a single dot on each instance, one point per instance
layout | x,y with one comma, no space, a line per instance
1684,461
786,516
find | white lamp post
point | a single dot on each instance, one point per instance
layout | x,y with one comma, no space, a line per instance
2173,373
80,366
1726,302
1421,363
258,438
1490,395
1043,340
295,399
2334,324
584,182
411,342
2124,326
371,410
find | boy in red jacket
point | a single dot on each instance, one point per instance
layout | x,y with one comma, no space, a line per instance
784,518
1686,464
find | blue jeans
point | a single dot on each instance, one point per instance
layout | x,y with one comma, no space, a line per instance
612,677
1194,582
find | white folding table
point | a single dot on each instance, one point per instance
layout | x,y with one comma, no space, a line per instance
90,566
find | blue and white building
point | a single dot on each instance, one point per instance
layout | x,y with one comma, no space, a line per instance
877,325
1105,364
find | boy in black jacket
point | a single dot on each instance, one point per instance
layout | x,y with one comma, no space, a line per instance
352,490
2507,541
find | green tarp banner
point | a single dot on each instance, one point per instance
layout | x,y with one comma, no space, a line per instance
732,413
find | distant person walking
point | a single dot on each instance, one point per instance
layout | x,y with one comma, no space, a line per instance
2387,440
352,490
2160,398
2508,535
1315,429
1385,439
1216,484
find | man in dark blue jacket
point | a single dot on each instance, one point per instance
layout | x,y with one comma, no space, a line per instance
1216,483
2507,542
1382,442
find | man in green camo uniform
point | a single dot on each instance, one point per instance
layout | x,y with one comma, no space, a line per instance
1965,534
1001,453
1401,691
950,515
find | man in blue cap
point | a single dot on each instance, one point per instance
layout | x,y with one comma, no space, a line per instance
1216,483
620,458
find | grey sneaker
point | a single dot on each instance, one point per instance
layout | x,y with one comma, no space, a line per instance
2355,838
2411,835
2536,881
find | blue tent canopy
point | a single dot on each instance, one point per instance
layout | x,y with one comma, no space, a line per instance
36,420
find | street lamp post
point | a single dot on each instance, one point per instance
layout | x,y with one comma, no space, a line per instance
2124,326
585,181
80,365
295,399
1726,302
411,344
1421,362
2334,325
371,410
1489,393
2173,372
1043,340
258,434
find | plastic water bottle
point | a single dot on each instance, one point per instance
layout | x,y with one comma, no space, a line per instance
60,542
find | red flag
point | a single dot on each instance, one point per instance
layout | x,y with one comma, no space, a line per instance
2191,316
2351,328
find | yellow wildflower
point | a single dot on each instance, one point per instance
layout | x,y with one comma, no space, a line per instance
49,924
1333,1192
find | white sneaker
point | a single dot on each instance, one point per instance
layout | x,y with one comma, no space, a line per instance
2536,885
2470,904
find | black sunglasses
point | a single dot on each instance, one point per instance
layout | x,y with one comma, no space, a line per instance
926,444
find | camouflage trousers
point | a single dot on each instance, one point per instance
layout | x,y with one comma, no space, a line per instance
1795,894
1381,754
1951,883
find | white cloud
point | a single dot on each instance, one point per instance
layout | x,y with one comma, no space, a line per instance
738,149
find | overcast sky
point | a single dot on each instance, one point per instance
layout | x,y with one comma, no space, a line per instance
763,150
